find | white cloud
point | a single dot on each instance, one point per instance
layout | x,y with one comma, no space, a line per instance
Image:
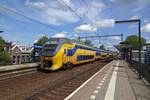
93,14
98,4
105,23
85,28
35,4
55,12
61,15
68,2
76,35
35,41
146,28
115,37
60,35
52,12
135,17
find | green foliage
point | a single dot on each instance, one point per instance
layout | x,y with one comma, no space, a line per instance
133,41
41,41
1,43
102,47
5,58
88,42
32,53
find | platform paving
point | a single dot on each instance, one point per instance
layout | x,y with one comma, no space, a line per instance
116,81
19,66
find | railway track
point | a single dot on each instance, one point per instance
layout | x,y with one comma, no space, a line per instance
53,86
60,90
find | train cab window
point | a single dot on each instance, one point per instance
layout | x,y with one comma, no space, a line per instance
76,46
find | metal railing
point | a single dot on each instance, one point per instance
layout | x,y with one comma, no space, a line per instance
145,69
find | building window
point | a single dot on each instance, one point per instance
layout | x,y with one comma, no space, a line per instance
23,59
17,50
18,59
27,49
27,58
23,49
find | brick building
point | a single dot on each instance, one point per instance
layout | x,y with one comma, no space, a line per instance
21,54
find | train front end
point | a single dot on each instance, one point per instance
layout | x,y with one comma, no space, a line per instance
51,55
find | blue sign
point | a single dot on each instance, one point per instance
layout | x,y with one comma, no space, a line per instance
37,54
38,47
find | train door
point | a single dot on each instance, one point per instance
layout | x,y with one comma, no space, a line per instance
65,56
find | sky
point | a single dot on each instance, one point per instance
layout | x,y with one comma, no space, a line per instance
25,21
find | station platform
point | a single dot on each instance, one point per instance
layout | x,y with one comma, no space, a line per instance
17,67
115,81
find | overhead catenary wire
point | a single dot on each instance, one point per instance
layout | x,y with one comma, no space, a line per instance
71,9
86,5
29,18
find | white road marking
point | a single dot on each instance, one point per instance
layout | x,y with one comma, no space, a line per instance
111,87
100,84
98,87
68,97
96,91
92,97
102,81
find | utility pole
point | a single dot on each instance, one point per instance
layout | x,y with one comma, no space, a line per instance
140,68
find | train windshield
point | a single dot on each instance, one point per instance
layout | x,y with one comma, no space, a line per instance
50,47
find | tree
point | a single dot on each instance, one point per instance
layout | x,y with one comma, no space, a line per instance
41,41
102,47
133,41
4,55
88,42
5,58
1,43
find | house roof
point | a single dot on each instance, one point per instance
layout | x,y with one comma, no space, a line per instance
23,49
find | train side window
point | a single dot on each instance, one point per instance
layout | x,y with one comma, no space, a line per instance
71,52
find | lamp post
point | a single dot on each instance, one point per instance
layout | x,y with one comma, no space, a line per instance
139,38
1,31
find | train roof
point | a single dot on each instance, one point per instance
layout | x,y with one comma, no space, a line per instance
66,40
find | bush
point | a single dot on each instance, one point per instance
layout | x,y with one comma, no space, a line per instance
5,58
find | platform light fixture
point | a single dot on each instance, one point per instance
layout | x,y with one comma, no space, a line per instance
139,38
1,31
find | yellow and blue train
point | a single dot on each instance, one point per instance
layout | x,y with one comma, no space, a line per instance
61,52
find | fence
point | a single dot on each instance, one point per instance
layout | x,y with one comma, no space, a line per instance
145,69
